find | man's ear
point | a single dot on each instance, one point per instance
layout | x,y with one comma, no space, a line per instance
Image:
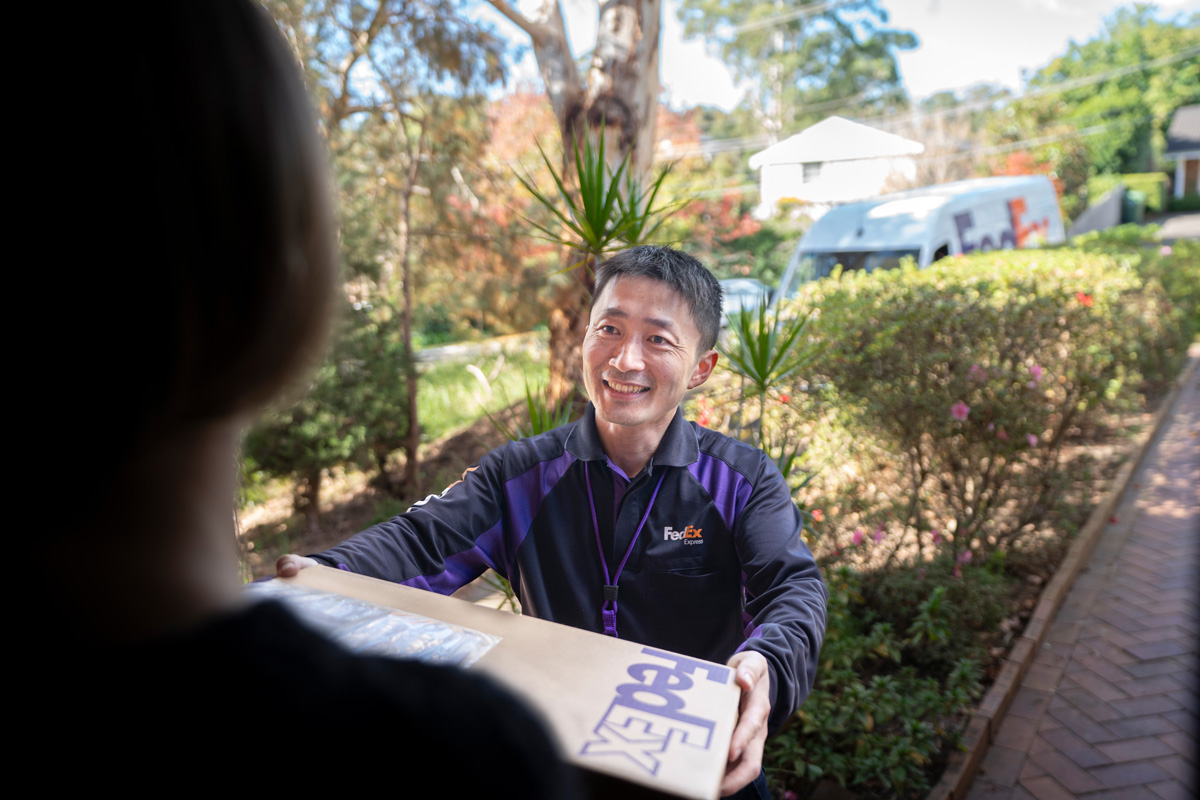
704,368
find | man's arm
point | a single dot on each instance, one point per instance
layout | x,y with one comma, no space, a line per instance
441,543
785,595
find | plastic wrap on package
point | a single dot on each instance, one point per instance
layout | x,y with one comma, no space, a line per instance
364,627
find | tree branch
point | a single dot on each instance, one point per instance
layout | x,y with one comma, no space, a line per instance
537,33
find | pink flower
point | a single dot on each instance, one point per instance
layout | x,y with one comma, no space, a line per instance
818,515
857,538
960,410
783,398
1036,372
1085,299
1002,435
957,571
1032,439
935,536
790,795
1165,250
964,557
879,534
977,373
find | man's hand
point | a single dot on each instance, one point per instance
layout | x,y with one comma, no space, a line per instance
746,747
290,565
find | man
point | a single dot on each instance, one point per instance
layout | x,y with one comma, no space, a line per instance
633,521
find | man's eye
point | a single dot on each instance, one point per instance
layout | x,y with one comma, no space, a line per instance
606,329
658,340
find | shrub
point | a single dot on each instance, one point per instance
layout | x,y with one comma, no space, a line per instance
355,410
1151,184
969,376
874,722
1189,202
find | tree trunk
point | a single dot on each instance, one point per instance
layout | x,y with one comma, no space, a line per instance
412,441
306,499
622,95
622,82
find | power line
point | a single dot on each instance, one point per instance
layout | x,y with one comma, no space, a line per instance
973,152
893,121
787,16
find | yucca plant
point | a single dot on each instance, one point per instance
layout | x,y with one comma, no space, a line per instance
765,349
540,416
610,209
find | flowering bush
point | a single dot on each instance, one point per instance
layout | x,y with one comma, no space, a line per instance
966,379
934,415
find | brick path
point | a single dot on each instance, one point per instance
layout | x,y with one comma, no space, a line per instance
1109,707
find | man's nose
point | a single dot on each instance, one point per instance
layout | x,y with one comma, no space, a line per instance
628,357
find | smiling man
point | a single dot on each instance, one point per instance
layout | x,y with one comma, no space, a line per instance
632,521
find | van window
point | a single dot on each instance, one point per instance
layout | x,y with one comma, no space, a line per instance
813,266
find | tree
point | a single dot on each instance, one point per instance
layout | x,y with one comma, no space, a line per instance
391,80
806,60
619,94
1121,88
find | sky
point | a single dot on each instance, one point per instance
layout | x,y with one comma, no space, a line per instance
962,42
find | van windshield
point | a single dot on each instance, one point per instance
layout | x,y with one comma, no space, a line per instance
815,265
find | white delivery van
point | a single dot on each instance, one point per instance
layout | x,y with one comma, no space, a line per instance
927,224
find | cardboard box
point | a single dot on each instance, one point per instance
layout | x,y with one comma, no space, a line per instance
622,710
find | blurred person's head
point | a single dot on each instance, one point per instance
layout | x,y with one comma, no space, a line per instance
201,198
220,287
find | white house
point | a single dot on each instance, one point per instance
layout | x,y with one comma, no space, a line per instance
1183,147
835,161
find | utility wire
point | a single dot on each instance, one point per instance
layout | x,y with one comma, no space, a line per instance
741,144
787,16
973,152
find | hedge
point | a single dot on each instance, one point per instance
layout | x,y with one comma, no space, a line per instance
958,387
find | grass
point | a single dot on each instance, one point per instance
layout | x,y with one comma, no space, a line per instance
455,394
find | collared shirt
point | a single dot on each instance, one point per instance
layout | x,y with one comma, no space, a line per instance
719,566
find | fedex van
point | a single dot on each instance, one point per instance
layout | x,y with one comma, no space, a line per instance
927,224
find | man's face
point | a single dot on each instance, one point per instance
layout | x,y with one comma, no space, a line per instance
640,353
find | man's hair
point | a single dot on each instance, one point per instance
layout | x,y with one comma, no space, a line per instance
690,279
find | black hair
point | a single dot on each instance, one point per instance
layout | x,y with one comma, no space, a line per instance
690,279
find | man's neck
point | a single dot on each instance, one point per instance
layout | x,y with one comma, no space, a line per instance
630,447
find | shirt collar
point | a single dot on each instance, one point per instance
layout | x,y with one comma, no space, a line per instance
678,447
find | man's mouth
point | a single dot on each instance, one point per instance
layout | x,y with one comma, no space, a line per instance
626,388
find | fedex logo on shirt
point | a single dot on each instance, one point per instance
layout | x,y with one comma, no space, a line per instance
689,535
647,717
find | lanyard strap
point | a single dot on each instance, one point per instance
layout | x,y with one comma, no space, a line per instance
608,611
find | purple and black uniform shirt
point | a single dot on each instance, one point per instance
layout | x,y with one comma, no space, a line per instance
718,567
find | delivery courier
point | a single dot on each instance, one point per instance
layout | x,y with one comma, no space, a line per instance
632,521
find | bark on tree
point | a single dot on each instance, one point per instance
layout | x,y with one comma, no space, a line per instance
620,94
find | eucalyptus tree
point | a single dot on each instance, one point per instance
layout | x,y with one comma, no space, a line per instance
805,60
388,78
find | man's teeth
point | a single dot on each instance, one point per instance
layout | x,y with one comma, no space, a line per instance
627,388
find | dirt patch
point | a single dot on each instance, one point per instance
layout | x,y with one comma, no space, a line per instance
352,501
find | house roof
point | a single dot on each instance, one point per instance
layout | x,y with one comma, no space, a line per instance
836,139
1184,133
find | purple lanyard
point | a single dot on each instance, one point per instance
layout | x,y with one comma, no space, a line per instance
609,610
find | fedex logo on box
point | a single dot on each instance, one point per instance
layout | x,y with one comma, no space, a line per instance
648,716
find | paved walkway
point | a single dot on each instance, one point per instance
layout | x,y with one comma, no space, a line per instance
1109,707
